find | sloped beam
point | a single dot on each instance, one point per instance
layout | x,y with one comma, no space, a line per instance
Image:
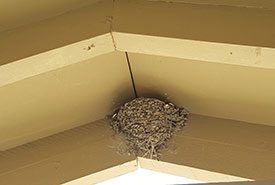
65,29
218,150
64,157
63,98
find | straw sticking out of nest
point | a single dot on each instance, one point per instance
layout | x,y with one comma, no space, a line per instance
147,124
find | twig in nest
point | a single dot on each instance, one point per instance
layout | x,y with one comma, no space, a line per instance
151,156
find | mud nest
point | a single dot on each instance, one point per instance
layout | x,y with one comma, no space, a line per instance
147,124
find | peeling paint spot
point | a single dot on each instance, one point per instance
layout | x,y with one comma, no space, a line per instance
88,48
114,42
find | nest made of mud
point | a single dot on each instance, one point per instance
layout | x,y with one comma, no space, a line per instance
147,124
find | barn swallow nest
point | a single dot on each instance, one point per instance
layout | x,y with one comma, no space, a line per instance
147,124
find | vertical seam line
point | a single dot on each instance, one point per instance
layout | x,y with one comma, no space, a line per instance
131,74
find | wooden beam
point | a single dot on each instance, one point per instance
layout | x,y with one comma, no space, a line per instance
224,146
64,98
234,54
56,59
217,150
66,156
187,171
65,29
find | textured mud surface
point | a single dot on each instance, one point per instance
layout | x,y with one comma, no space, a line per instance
148,124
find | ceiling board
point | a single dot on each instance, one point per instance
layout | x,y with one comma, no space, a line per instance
15,13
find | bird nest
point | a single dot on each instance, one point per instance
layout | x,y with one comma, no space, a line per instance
147,124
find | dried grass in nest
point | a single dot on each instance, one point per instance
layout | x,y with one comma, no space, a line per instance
147,124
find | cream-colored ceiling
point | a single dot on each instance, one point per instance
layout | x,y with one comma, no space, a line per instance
15,13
